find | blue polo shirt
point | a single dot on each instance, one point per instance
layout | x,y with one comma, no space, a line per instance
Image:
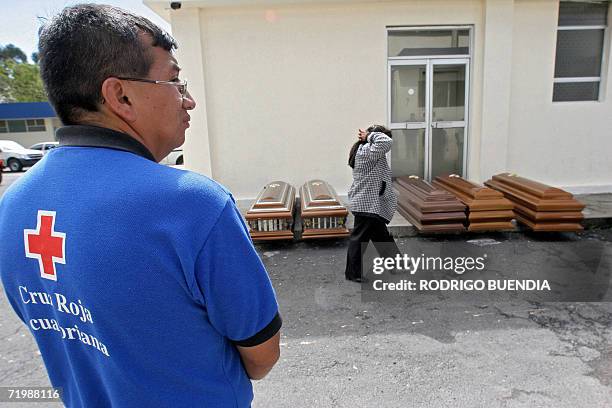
137,280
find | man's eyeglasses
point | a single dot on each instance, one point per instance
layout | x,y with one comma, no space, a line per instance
180,85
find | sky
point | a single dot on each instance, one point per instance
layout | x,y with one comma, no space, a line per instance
20,19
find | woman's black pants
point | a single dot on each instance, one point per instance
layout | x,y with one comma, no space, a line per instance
366,229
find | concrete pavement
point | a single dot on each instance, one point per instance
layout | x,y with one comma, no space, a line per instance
8,178
428,350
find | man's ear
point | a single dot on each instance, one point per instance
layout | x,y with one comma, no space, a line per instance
116,99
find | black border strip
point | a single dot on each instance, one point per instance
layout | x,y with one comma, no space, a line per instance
264,334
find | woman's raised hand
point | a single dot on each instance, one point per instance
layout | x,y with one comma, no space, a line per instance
363,135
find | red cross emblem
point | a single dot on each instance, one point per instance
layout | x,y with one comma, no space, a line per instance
45,244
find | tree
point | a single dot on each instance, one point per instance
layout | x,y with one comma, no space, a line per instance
12,52
34,57
5,88
20,82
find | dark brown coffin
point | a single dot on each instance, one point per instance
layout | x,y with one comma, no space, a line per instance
323,216
429,208
488,209
271,215
540,206
493,216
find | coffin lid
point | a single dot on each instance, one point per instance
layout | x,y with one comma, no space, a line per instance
532,187
424,190
413,197
277,196
469,188
519,195
319,195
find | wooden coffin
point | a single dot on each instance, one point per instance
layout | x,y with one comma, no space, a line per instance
539,206
488,209
429,208
322,214
271,215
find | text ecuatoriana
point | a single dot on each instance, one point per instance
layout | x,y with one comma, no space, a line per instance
60,303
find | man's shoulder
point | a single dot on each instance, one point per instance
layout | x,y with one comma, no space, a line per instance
188,185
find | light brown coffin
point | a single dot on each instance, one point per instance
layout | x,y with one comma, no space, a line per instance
429,208
323,216
488,209
271,215
540,206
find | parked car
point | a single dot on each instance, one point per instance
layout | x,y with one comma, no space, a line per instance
1,167
174,158
16,157
44,147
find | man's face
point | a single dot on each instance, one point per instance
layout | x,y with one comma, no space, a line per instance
162,110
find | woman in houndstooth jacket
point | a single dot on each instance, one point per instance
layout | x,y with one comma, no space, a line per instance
371,197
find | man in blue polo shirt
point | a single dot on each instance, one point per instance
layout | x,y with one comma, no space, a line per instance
138,281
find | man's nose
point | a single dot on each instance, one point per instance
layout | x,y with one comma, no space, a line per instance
189,102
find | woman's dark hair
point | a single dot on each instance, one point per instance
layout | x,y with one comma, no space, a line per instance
380,129
87,43
355,147
353,153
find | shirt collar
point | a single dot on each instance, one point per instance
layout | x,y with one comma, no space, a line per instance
95,136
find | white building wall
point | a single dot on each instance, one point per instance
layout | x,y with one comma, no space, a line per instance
562,143
497,83
186,29
287,87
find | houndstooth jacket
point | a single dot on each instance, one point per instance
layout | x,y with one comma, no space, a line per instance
372,189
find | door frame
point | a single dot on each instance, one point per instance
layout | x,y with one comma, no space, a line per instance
452,124
429,61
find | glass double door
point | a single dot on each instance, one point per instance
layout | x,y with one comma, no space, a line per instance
428,114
